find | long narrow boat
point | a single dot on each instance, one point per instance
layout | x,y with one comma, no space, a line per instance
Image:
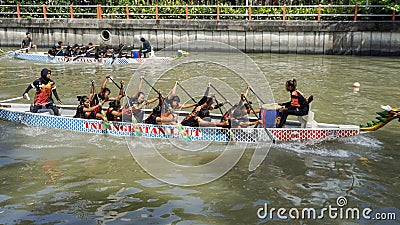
293,132
43,57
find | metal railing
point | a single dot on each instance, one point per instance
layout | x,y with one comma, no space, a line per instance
211,12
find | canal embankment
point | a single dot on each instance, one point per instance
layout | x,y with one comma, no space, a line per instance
377,38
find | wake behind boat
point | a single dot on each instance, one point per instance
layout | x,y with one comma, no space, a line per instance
314,132
43,57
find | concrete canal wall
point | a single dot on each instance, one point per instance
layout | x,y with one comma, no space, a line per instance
303,37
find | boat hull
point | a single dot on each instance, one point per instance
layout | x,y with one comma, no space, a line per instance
82,60
18,113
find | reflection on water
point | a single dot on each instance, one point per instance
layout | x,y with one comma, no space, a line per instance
59,177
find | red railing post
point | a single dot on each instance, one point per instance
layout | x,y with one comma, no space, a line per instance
355,12
284,12
44,11
187,12
71,11
18,12
249,12
99,12
156,12
319,12
127,12
218,10
394,16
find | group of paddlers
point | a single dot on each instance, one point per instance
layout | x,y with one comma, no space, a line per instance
91,106
96,51
90,51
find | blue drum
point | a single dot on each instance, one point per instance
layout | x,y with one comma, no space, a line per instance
270,115
135,54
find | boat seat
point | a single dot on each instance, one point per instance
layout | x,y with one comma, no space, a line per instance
151,54
308,120
148,54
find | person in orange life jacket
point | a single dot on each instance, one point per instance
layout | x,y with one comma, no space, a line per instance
137,102
156,116
239,117
206,104
45,87
174,102
237,114
86,111
104,92
298,104
114,112
200,116
156,113
194,119
169,104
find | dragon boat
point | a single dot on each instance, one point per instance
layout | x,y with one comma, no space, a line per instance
43,57
293,131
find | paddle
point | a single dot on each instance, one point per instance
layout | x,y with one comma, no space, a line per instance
16,98
258,118
153,88
180,127
113,55
226,100
103,114
115,83
186,92
251,89
133,118
81,55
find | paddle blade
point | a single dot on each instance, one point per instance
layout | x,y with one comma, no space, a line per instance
185,136
106,123
136,127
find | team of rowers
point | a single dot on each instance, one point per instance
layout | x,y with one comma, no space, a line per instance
95,51
91,107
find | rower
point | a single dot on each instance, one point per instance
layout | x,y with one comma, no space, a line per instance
173,101
114,112
86,111
157,117
137,102
235,114
52,52
59,49
194,119
104,92
200,115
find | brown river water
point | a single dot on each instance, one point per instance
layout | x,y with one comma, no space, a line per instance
51,176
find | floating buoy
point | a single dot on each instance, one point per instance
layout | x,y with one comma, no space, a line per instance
364,159
356,87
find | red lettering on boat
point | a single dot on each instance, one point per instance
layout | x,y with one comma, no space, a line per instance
92,125
154,131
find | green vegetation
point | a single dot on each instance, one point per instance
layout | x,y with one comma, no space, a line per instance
174,9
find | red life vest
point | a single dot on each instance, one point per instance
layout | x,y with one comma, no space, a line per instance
298,99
